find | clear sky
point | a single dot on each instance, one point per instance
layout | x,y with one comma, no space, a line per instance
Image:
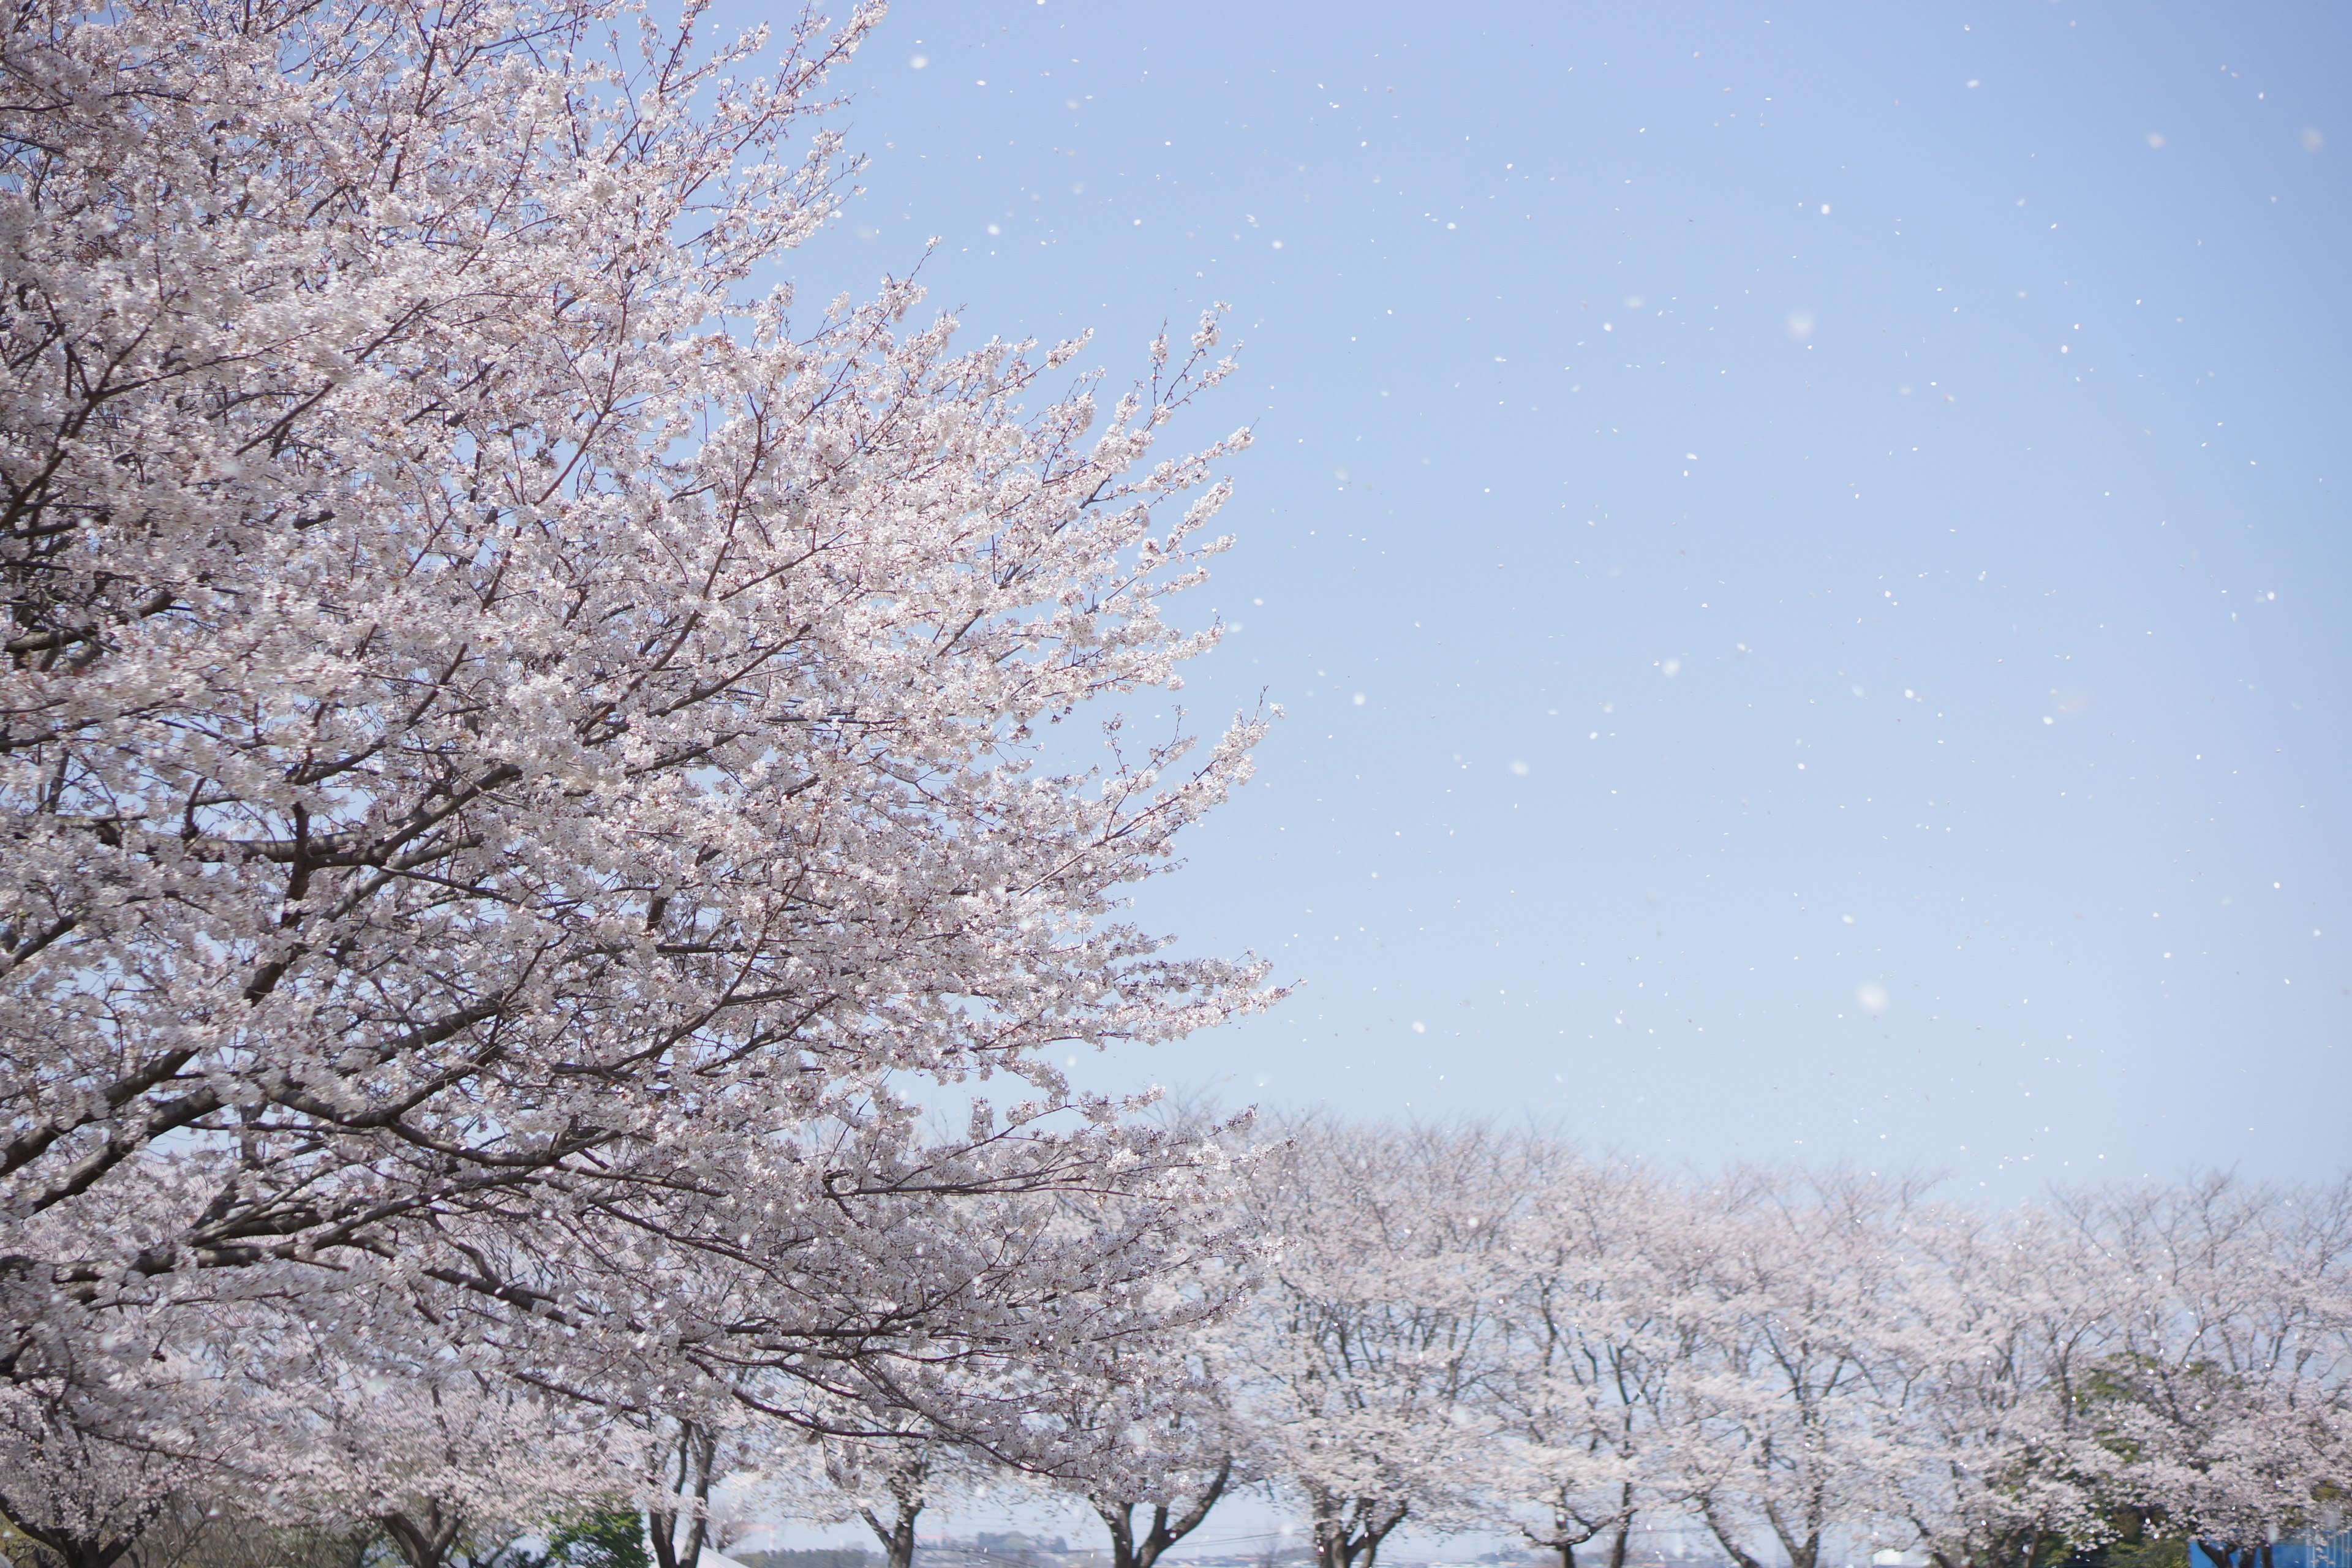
1804,547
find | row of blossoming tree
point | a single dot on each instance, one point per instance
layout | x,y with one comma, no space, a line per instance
1465,1328
1469,1330
1449,1328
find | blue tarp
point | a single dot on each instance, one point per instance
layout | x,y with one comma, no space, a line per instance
2302,1551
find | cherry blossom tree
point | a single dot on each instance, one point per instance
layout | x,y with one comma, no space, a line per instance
524,759
1166,1439
1599,1272
1793,1399
886,1482
1799,1363
1994,1460
453,1462
1364,1354
906,1484
690,1457
1153,1446
86,1497
2227,1387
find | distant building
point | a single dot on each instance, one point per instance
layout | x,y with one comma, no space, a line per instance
1019,1545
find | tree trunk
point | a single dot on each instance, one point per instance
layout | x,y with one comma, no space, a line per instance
1565,1524
1804,1553
1331,1533
423,1539
1348,1530
82,1551
1373,1534
698,1453
1617,1539
1119,1520
1167,1527
1558,1541
897,1538
75,1552
899,1534
1739,1555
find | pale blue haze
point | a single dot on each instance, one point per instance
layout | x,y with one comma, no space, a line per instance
2098,864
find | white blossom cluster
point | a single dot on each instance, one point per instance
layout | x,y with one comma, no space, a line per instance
527,768
1468,1328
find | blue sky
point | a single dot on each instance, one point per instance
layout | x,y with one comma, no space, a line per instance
1803,549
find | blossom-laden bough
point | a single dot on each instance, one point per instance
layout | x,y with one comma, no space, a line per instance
525,767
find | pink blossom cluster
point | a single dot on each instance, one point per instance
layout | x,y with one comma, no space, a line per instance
531,769
1467,1328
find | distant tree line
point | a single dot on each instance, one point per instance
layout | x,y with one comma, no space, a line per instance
808,1557
1461,1327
